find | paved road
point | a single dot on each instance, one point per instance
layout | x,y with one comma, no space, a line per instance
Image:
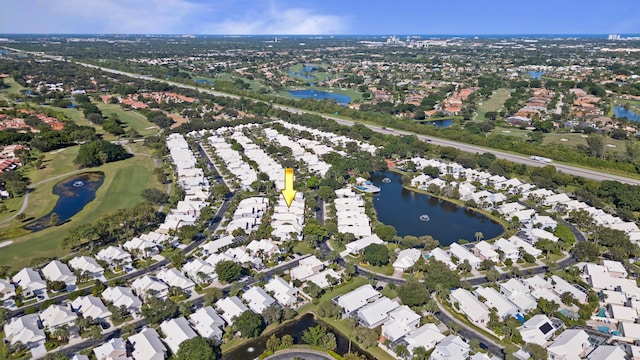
469,333
573,170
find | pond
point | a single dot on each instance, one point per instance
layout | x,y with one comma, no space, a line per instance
320,95
620,112
295,329
535,74
444,220
74,194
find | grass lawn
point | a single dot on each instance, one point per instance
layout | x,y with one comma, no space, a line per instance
385,270
494,103
577,139
122,188
10,86
303,247
131,118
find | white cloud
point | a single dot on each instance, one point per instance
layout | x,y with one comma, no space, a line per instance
291,21
100,16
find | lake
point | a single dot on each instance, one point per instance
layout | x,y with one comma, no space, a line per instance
74,194
535,74
295,329
448,222
620,112
320,95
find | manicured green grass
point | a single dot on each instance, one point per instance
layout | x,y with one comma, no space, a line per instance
132,119
77,117
575,139
303,247
11,86
124,182
494,103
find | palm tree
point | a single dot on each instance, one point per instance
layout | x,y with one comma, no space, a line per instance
479,235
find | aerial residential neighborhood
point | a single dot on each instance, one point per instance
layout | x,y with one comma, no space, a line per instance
223,180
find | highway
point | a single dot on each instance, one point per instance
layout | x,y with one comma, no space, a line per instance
521,159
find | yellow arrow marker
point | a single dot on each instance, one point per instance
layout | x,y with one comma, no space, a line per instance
288,193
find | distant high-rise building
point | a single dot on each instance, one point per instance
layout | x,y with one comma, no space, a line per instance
614,37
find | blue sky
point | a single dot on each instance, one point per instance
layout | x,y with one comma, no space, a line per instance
468,17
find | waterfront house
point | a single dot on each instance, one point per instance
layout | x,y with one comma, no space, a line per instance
257,299
231,307
285,293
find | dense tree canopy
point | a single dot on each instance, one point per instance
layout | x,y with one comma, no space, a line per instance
198,348
249,324
99,152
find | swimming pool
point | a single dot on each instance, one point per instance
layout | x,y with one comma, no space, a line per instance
603,329
602,312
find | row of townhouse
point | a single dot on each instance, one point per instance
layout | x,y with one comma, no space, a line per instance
248,215
312,270
512,248
266,164
336,140
535,226
399,324
193,181
288,221
233,160
29,328
350,213
314,164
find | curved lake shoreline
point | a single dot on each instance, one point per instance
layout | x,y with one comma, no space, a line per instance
74,193
294,328
448,222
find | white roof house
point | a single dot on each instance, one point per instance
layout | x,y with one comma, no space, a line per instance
306,267
572,344
150,286
58,271
442,256
427,336
91,306
213,247
87,264
519,294
526,247
401,321
406,258
461,253
173,277
122,296
231,307
147,345
30,282
510,251
207,323
538,330
57,315
176,331
143,248
375,313
285,293
355,247
486,251
493,299
615,268
555,199
535,234
200,271
607,352
451,348
357,298
24,329
561,286
7,289
257,299
114,349
469,305
114,256
322,278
